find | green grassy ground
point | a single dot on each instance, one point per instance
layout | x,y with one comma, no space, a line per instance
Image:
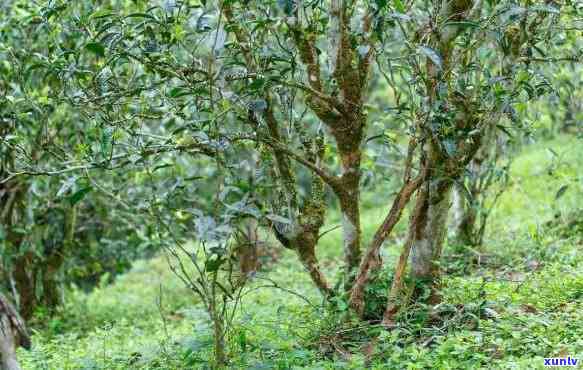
521,304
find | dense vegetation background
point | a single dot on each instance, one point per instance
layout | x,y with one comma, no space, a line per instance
290,184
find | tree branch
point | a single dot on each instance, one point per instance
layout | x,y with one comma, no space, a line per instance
371,260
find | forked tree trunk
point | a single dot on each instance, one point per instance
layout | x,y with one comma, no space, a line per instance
372,260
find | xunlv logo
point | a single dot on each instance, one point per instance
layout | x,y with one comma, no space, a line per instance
561,361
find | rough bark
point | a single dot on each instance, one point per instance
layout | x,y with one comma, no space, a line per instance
307,254
464,217
13,334
429,231
351,230
342,112
7,346
247,248
20,265
54,261
339,105
220,358
349,146
24,281
398,277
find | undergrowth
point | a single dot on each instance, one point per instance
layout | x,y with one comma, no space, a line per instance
509,304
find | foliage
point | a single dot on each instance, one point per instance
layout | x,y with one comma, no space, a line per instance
527,314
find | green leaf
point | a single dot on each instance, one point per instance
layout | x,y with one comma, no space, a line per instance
96,48
49,12
178,91
214,264
463,24
79,195
381,3
562,190
432,55
141,15
398,4
257,84
504,129
101,14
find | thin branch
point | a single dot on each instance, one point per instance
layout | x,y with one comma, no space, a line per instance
331,180
104,164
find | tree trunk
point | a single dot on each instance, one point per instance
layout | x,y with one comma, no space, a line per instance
13,334
349,197
216,313
20,262
306,249
464,217
51,289
372,260
220,357
429,232
351,231
393,298
24,281
7,345
247,248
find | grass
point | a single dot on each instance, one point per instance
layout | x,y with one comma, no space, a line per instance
522,306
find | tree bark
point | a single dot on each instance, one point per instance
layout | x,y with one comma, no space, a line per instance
218,336
307,255
7,345
429,232
372,260
24,281
393,303
351,230
464,217
349,197
247,249
13,334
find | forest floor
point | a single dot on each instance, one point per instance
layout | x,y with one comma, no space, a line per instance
521,303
